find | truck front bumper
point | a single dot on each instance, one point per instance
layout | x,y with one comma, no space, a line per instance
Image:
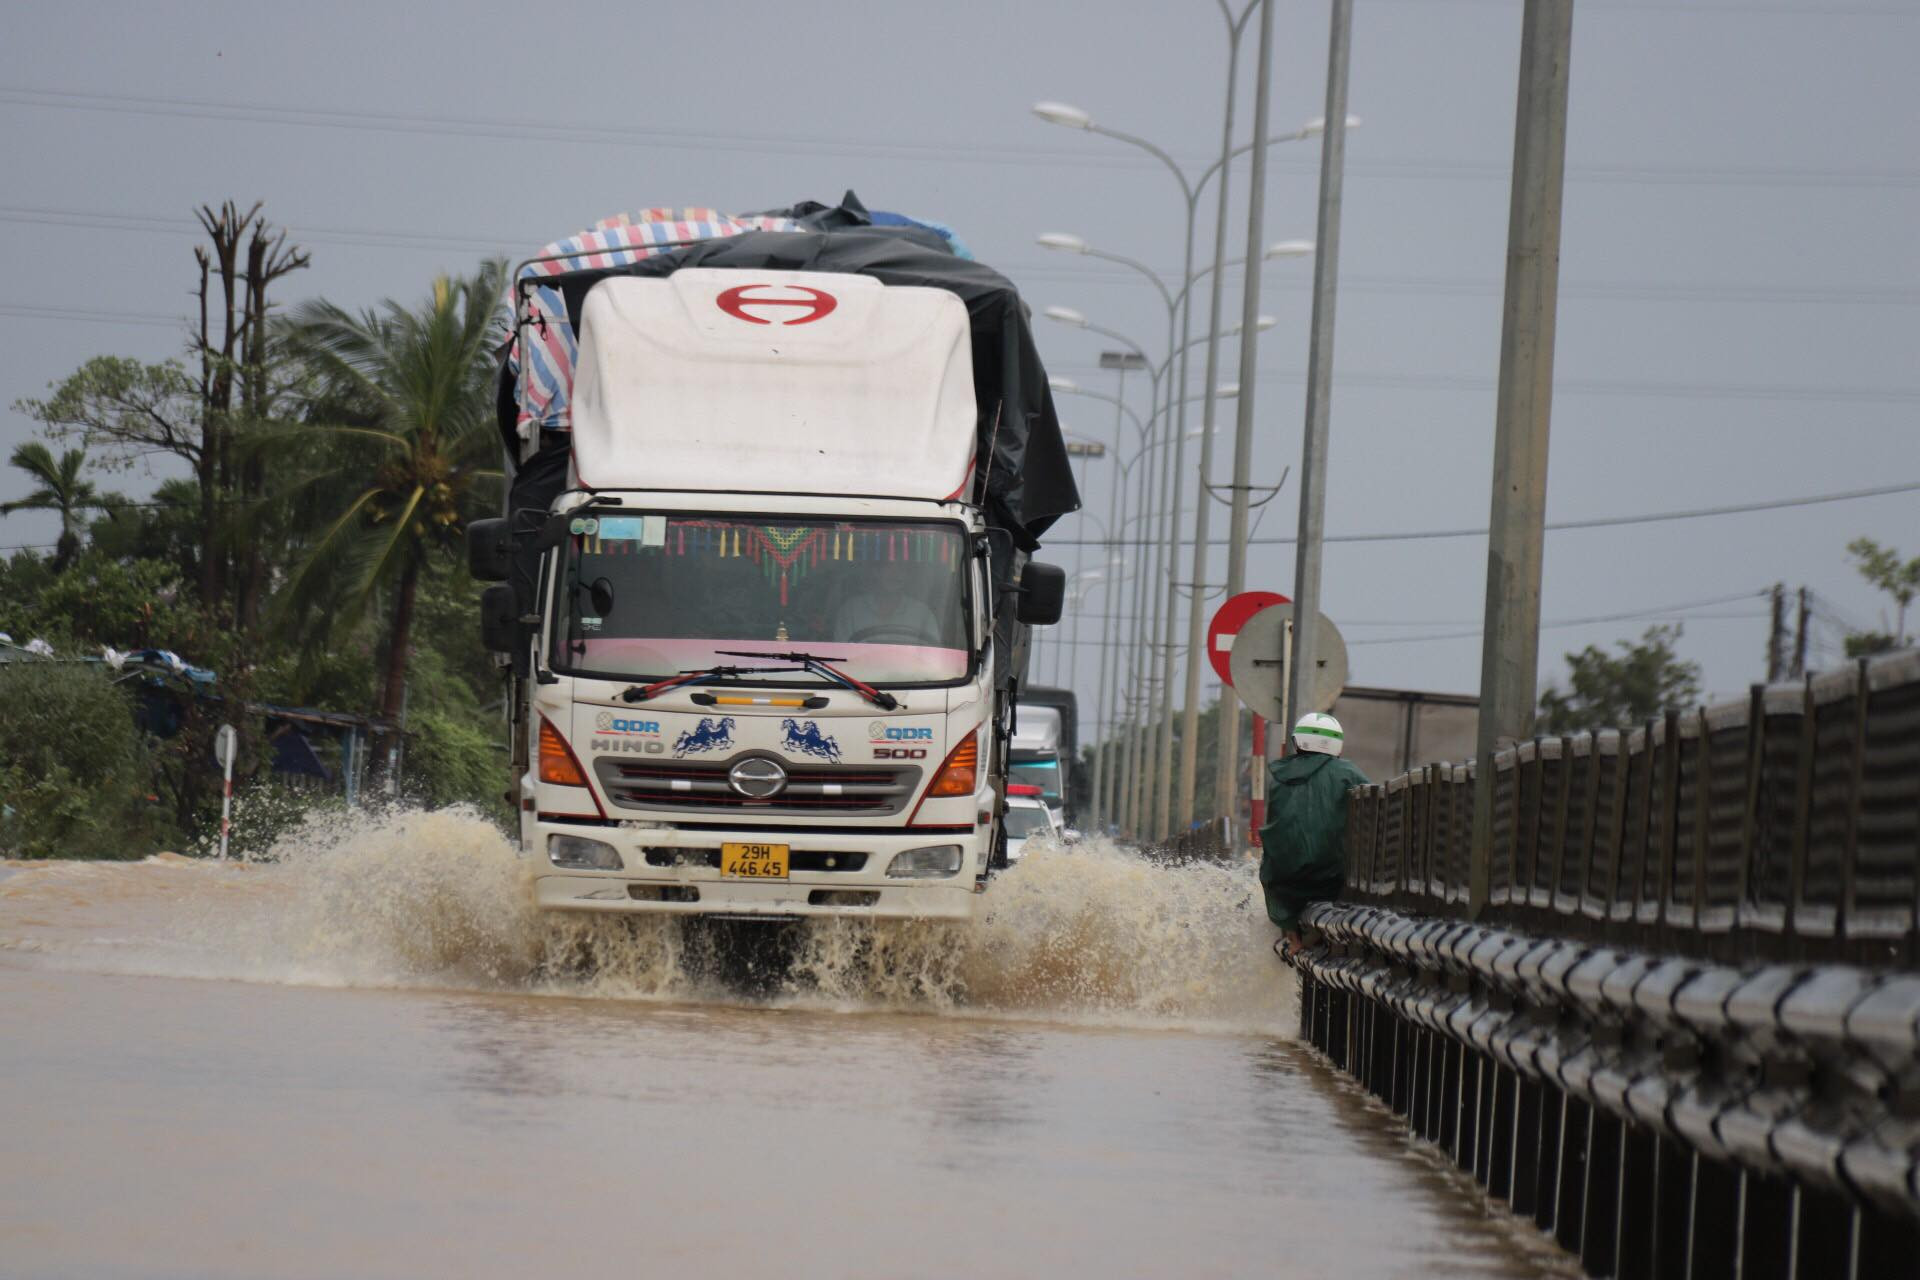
642,887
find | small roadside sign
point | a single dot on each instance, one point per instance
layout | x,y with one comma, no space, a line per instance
226,744
1227,621
1264,654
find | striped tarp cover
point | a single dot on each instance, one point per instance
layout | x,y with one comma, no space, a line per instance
550,349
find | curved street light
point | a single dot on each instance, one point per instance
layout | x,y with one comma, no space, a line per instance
1069,116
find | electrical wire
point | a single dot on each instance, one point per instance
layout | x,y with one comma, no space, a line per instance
1598,522
949,152
89,317
1656,291
1590,386
1677,612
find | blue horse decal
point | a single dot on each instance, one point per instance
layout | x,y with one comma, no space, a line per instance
712,735
807,740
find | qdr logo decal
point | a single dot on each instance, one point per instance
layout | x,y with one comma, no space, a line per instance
889,741
818,304
607,722
881,731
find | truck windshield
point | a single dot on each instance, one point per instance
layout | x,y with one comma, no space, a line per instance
646,596
1040,771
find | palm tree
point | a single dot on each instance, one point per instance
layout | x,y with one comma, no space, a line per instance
416,389
61,489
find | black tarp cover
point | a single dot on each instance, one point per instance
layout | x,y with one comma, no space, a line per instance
1029,483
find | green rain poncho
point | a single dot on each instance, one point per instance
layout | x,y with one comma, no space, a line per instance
1304,843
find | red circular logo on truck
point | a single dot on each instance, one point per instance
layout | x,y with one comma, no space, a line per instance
818,303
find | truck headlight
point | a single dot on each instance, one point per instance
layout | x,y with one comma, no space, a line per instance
583,854
930,863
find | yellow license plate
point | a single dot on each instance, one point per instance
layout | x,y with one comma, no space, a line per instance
754,861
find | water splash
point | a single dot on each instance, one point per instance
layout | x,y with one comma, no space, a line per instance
440,899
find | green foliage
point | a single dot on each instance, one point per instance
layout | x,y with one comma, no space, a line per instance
454,760
127,409
97,601
1864,644
74,769
1883,568
415,387
332,470
1606,692
60,489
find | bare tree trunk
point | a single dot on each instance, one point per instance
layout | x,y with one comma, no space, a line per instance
399,650
203,471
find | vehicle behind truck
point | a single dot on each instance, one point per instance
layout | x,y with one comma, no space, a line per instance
765,584
1045,748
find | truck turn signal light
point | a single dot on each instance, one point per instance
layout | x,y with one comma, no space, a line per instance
557,764
957,773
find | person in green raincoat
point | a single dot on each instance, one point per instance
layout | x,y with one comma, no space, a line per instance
1303,845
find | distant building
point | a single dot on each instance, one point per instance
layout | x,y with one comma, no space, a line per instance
1390,731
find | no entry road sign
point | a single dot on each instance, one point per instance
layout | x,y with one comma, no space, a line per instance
1227,621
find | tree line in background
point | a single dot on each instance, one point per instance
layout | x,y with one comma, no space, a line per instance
306,547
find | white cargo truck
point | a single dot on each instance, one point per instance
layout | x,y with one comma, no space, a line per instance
763,617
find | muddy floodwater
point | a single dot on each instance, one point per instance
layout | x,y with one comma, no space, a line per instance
368,1057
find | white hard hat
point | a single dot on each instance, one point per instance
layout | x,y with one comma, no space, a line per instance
1317,731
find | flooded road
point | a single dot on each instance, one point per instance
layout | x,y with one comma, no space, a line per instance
368,1060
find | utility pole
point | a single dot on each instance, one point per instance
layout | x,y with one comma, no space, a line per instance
1800,639
1228,782
1313,442
1777,633
1510,646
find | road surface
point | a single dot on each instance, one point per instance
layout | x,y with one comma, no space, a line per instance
369,1059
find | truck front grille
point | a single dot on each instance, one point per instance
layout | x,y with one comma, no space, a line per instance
684,785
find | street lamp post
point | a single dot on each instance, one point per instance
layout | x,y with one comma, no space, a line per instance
1173,489
1106,782
1227,790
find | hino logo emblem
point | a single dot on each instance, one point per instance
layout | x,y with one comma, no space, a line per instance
757,778
818,305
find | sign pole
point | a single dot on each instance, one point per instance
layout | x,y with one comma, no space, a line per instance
224,744
1259,776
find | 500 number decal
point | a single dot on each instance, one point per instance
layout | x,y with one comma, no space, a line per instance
899,753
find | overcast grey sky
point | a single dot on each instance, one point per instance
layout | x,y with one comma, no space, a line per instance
1740,282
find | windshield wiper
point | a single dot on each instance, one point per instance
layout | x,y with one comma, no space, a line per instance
818,666
641,693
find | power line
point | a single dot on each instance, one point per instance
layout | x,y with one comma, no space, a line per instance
1653,290
1677,612
104,220
1698,9
1656,291
627,136
1589,386
89,317
1598,522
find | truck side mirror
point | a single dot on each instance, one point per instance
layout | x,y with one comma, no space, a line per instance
1043,591
499,619
489,550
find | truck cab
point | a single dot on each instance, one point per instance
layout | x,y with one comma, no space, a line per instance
773,627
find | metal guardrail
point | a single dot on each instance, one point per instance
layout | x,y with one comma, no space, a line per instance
1660,1116
1684,1034
1785,827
